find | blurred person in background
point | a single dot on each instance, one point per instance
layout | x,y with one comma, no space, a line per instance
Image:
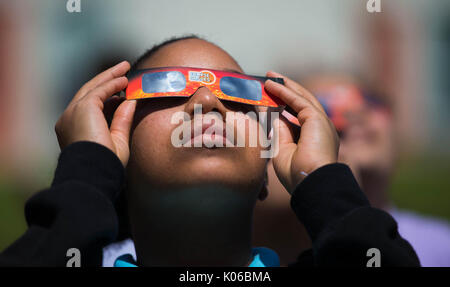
367,144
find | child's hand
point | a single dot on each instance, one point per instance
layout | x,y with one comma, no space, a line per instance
84,120
318,144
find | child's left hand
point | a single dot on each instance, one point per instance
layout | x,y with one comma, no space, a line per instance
318,144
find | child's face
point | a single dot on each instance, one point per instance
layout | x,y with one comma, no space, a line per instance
155,161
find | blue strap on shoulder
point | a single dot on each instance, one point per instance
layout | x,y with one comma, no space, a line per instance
125,260
262,257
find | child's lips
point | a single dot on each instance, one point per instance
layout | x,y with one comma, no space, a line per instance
210,141
208,137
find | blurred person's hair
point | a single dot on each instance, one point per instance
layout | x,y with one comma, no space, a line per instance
370,92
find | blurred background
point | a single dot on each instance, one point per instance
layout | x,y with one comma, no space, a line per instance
47,53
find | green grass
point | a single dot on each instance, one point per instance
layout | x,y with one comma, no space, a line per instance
12,218
423,184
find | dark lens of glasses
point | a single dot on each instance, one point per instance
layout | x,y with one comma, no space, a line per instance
241,88
163,82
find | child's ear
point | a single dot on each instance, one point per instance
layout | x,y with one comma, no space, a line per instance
264,192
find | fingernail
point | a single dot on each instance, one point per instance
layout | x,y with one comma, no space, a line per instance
120,64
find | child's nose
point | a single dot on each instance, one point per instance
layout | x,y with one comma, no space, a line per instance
209,102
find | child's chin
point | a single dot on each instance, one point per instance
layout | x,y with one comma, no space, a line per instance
214,170
219,173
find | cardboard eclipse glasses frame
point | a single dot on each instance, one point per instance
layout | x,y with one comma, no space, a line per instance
184,81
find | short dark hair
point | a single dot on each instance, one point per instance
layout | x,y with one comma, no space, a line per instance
157,47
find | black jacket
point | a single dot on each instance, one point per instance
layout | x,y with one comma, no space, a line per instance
78,211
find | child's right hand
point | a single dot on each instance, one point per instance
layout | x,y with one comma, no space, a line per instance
318,144
84,119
